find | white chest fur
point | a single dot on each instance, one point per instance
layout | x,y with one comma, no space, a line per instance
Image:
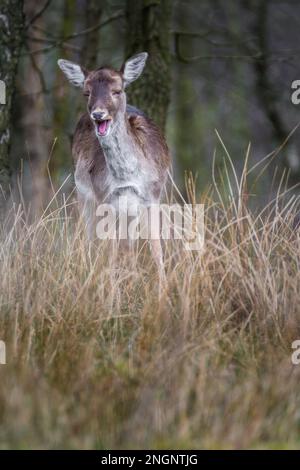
128,173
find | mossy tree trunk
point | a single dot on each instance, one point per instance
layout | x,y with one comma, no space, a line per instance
148,29
11,28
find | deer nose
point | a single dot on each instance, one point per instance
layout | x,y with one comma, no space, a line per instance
98,116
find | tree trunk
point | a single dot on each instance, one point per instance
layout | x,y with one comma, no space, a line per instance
32,112
269,100
148,24
93,12
11,27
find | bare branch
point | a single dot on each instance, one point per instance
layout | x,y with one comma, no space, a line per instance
38,14
59,41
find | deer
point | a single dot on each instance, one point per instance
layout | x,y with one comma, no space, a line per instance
117,149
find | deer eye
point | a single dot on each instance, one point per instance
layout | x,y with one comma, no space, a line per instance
116,92
86,93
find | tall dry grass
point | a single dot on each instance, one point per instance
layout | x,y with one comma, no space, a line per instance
95,359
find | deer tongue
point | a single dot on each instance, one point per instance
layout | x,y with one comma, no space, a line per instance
102,127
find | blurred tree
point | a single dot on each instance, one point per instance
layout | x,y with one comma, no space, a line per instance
32,111
64,107
11,28
268,96
93,12
148,29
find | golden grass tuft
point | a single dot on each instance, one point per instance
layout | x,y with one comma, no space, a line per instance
95,359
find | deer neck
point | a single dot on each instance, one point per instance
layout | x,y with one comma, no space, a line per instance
120,151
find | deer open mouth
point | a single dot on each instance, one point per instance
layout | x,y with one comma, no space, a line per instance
103,127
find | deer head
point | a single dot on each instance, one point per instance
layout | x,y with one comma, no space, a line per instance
105,90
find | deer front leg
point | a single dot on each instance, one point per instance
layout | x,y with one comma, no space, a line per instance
157,254
88,212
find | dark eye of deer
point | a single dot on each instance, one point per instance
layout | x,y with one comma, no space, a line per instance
86,93
117,92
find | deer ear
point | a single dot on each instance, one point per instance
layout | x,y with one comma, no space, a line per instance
133,67
74,73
